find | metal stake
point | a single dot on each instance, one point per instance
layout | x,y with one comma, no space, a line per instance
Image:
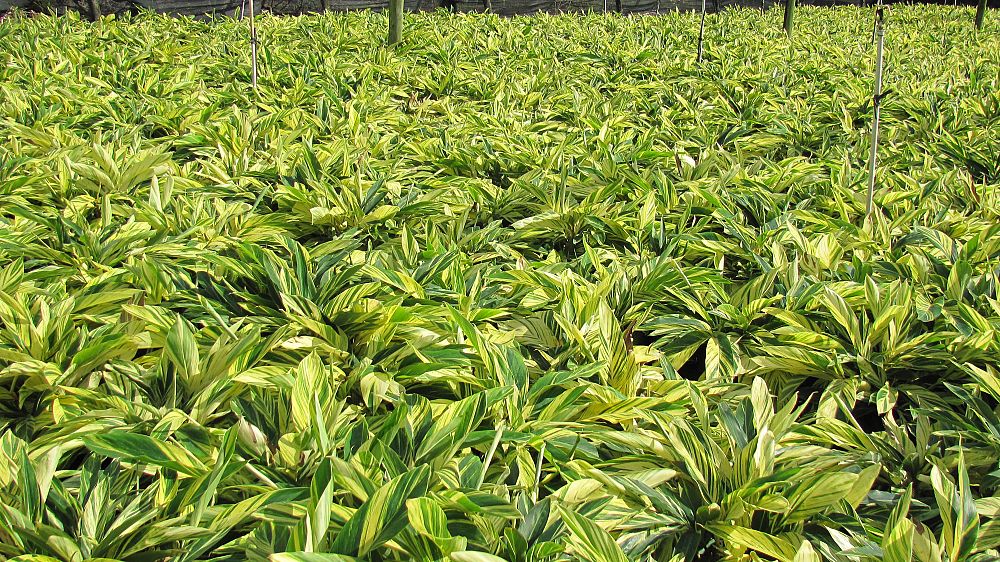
253,47
701,32
876,106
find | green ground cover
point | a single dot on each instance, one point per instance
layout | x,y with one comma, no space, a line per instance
525,289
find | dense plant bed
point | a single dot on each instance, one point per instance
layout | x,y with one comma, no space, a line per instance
524,289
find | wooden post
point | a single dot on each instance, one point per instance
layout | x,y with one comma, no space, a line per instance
876,107
618,6
701,33
325,5
789,14
395,21
980,14
253,47
95,9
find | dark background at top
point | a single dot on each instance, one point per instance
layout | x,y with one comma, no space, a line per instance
503,7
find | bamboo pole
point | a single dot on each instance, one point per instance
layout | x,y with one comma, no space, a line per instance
395,21
253,46
701,33
980,14
789,14
876,107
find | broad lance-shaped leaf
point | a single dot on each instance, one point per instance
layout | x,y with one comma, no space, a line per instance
620,369
763,407
449,431
309,557
897,539
818,494
590,541
806,553
204,492
236,514
771,545
472,556
957,507
721,357
311,398
859,490
320,507
138,448
182,349
31,500
383,515
429,520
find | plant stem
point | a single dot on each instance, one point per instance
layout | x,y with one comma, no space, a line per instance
538,473
489,455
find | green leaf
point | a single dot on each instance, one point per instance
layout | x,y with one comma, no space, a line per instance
471,556
320,506
885,399
137,448
819,493
859,490
206,489
31,502
806,553
721,361
897,540
590,541
429,520
771,545
181,349
450,429
309,557
957,507
383,515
